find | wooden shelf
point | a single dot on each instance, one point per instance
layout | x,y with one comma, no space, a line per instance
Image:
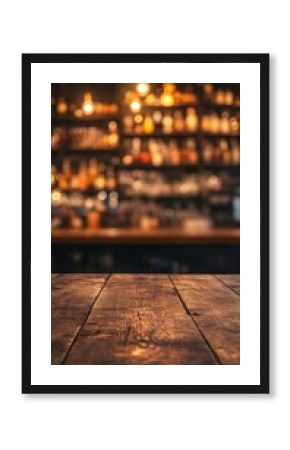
83,121
86,150
206,167
201,106
130,236
161,135
161,167
161,197
148,108
212,106
88,191
181,135
194,167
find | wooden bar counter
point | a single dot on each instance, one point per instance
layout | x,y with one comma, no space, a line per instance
138,236
145,319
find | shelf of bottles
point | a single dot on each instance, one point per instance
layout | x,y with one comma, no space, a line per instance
158,156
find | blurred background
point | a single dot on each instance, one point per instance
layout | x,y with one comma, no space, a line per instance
145,178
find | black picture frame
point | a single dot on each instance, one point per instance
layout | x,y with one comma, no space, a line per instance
263,61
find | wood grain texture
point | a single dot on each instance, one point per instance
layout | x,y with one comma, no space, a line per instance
72,297
139,319
145,319
215,308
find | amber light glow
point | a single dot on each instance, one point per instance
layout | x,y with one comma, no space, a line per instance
88,104
143,89
135,106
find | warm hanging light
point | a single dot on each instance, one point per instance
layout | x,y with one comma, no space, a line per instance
135,105
88,104
142,89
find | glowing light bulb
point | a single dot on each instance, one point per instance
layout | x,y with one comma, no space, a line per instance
135,106
88,105
142,89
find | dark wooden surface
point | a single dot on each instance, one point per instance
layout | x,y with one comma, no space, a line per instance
136,236
145,319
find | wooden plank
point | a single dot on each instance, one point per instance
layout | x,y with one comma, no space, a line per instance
230,280
215,309
139,319
72,297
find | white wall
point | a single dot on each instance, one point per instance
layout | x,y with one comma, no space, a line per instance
76,422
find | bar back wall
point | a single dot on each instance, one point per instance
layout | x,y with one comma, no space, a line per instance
145,178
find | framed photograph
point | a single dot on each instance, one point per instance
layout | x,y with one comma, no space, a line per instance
145,223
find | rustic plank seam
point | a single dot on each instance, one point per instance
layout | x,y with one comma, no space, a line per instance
194,321
85,320
232,288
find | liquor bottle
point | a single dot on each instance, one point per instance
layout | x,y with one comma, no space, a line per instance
144,155
207,152
174,154
93,218
113,200
128,123
189,96
189,153
75,182
148,124
157,117
219,97
113,137
53,176
156,154
58,137
88,104
235,149
65,176
191,119
75,221
217,154
61,106
167,122
206,123
100,180
136,148
167,98
208,92
83,176
229,97
225,151
235,124
178,122
110,179
92,171
178,97
151,100
225,123
236,206
214,123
